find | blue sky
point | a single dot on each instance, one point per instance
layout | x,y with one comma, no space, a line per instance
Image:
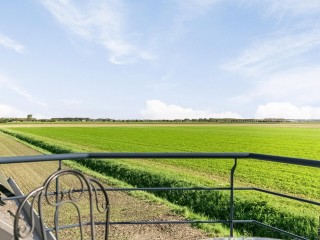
160,59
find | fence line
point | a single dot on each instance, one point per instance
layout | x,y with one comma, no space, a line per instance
231,189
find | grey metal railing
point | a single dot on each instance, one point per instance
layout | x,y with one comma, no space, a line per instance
236,156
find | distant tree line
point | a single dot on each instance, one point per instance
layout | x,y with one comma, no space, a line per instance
29,118
7,120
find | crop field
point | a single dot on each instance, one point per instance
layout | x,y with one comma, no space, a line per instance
301,141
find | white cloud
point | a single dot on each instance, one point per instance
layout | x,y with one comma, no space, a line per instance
193,8
292,7
26,95
102,22
8,111
156,110
189,10
72,102
273,53
300,86
287,110
40,116
282,67
296,34
11,44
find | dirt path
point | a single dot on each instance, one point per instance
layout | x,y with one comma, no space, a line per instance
124,207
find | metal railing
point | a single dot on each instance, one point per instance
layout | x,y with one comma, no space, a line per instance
235,156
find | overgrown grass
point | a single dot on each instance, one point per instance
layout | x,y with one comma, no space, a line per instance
215,205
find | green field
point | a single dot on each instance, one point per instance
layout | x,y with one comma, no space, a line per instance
283,139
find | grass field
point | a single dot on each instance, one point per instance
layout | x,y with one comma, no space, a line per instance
283,139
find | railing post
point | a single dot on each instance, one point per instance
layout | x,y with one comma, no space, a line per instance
57,200
319,229
232,196
57,181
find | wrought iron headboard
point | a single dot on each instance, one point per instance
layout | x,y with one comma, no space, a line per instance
43,194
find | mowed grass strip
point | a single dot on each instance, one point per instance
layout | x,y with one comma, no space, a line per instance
27,175
296,142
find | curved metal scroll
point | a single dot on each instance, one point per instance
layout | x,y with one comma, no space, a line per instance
41,195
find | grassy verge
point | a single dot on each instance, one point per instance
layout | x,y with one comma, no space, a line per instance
214,205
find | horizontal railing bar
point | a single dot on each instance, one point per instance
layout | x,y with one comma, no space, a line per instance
12,198
170,155
288,160
278,194
129,189
243,221
43,158
270,227
286,196
139,223
170,222
185,189
181,222
169,188
279,230
73,156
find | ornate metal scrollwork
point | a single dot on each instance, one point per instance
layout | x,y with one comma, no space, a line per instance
43,195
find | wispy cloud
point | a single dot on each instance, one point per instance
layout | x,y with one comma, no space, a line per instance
11,44
271,54
26,95
9,84
281,66
194,8
156,110
102,22
163,83
297,86
9,111
72,102
295,35
287,110
188,10
292,7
